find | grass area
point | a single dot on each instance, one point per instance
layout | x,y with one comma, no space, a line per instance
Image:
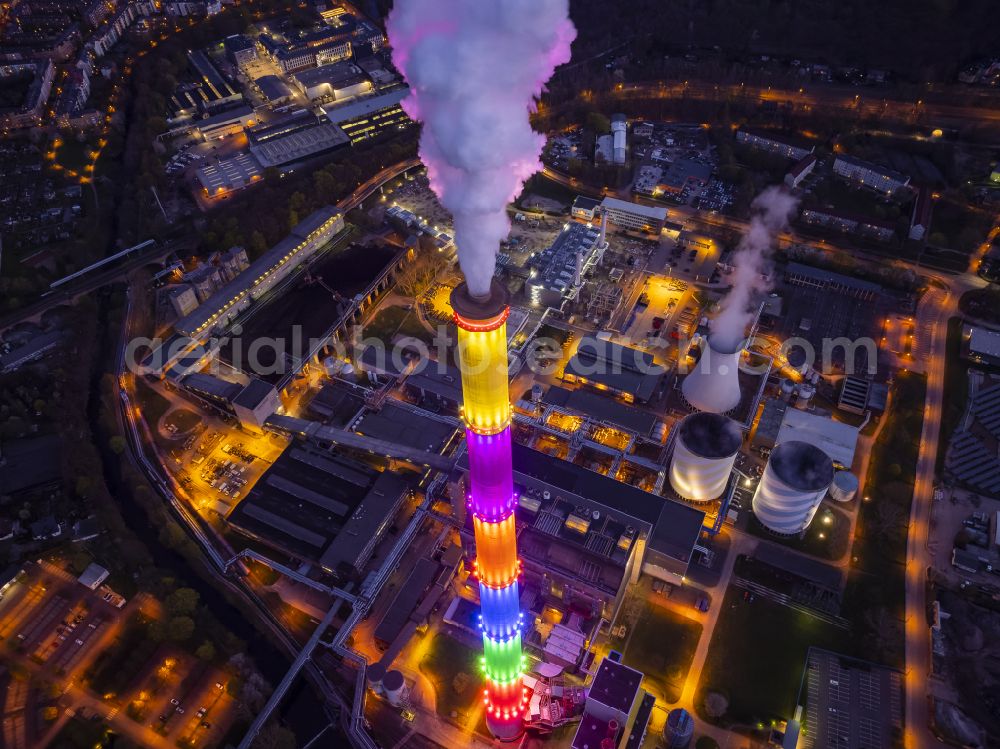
756,658
392,321
662,646
74,155
119,664
825,540
81,734
453,668
152,405
875,595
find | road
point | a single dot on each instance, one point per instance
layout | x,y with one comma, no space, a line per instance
940,306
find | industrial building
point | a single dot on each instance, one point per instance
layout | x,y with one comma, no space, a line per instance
795,480
981,345
781,145
584,208
320,507
337,81
611,707
627,372
972,450
308,236
557,272
798,274
227,175
619,136
854,394
779,424
633,216
865,173
297,137
370,116
585,537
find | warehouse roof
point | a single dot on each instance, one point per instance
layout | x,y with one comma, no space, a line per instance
652,212
338,113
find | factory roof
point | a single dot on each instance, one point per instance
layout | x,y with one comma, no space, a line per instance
642,716
406,600
560,263
298,145
273,88
366,522
407,427
253,394
602,408
222,118
619,368
336,74
583,203
829,277
836,439
590,732
338,113
212,386
984,342
676,526
446,385
615,685
770,421
972,462
233,173
651,212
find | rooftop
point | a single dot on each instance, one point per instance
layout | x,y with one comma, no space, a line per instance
602,408
338,113
877,168
653,213
615,685
617,367
407,427
29,463
984,342
253,394
836,439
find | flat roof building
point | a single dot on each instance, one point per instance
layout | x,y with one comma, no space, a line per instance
320,507
981,345
605,365
230,174
782,145
836,439
634,216
558,271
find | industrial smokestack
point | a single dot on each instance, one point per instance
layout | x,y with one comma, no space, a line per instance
704,453
795,480
476,69
714,383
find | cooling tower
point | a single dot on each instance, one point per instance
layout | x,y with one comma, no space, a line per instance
704,453
714,384
793,485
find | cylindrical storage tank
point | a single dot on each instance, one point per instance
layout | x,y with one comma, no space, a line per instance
794,483
844,486
375,673
393,685
332,365
714,383
704,453
787,389
679,729
804,396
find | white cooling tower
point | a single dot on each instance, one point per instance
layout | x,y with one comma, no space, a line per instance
704,453
713,385
793,485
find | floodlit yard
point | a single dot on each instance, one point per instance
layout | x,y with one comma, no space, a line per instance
662,646
452,667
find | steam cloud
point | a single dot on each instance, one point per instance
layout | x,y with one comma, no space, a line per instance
476,69
771,211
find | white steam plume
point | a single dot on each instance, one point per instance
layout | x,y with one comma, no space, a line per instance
476,69
771,211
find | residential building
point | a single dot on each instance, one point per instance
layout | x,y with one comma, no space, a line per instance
802,169
36,78
865,173
781,145
847,223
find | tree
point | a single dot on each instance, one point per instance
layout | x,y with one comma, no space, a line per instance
258,245
598,122
706,742
182,601
275,736
117,444
205,651
180,628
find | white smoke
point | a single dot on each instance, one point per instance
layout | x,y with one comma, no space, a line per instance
476,69
771,211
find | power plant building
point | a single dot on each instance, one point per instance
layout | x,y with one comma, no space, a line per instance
557,272
704,455
795,480
627,372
